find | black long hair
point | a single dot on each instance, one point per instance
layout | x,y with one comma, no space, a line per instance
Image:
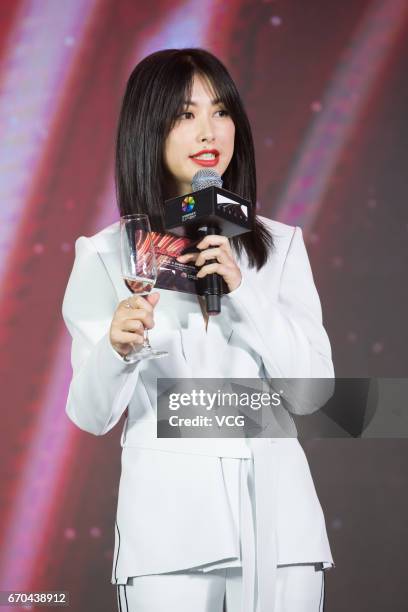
154,97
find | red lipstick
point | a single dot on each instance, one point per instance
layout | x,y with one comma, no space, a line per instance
206,162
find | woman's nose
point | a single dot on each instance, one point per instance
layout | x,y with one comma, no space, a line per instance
206,131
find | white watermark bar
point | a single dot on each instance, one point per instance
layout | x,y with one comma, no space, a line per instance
282,408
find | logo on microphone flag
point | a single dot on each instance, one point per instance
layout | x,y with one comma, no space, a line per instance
188,204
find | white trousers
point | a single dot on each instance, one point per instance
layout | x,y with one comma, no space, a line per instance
299,588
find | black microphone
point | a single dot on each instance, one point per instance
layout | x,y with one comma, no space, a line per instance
211,284
208,209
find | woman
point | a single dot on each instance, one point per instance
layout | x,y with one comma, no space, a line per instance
200,521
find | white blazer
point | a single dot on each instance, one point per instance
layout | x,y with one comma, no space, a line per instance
269,327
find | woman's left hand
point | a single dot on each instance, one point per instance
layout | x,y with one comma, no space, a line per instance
226,265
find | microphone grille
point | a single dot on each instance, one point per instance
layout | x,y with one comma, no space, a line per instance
206,178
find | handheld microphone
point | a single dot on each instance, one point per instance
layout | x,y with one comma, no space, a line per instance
208,209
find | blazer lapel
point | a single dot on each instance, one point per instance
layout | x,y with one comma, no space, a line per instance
202,349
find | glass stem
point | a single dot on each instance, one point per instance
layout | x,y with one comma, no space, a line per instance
146,343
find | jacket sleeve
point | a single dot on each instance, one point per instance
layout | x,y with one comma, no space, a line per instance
102,382
285,328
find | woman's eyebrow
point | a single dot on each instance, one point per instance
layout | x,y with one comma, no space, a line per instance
192,103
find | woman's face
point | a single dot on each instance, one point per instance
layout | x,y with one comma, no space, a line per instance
203,126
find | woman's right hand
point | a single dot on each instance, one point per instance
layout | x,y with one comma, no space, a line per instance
127,327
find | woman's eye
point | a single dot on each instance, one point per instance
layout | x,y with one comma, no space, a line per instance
185,113
188,114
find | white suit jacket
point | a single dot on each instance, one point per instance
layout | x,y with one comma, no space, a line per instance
270,326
